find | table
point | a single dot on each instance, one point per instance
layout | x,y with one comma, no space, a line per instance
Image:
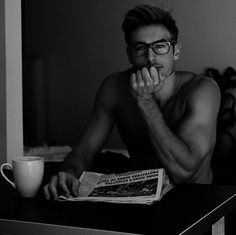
185,209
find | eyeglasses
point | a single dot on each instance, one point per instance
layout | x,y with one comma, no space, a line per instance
159,48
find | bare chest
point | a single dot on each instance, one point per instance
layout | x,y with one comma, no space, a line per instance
131,125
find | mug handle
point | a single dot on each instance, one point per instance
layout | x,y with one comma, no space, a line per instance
7,165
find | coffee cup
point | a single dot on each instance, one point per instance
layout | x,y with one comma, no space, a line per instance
27,173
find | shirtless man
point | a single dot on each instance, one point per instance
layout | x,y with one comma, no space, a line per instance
164,117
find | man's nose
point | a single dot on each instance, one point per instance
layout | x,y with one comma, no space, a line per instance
151,56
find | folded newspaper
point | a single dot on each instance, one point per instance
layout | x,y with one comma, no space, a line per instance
139,187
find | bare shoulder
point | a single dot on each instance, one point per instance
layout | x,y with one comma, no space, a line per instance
199,86
115,80
111,87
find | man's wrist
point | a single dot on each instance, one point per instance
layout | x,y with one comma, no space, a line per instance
70,170
145,100
150,107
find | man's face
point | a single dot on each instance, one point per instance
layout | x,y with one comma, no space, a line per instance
147,35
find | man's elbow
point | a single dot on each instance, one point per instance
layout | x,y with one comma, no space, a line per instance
183,176
180,179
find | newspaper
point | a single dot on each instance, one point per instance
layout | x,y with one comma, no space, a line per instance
139,187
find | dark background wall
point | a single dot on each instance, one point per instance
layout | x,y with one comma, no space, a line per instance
70,46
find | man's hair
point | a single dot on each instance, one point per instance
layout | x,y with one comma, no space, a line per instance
144,15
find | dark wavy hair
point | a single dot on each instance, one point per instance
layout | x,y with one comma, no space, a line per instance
147,14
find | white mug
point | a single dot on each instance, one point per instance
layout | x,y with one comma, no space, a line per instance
28,174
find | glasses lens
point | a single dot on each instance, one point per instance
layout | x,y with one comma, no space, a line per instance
161,48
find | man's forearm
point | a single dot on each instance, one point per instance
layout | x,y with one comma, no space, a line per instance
172,151
74,163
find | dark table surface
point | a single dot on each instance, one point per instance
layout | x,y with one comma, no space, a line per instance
190,207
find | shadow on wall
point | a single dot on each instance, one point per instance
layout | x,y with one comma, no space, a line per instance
34,100
68,49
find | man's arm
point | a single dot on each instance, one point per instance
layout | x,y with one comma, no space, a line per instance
96,132
182,150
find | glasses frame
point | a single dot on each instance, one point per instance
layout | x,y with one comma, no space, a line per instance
150,45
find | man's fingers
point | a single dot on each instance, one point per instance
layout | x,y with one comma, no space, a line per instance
139,79
52,187
62,184
75,187
133,81
154,75
146,76
46,192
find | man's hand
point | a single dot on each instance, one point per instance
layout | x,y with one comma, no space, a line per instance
145,83
63,183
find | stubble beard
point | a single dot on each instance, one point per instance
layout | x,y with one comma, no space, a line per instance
158,67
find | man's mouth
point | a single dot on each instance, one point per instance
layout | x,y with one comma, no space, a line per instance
157,66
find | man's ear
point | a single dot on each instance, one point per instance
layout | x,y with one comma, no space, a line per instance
129,53
177,50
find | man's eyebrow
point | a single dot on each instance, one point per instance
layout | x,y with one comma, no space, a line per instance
144,43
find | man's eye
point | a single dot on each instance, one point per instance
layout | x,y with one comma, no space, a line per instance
140,48
159,45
